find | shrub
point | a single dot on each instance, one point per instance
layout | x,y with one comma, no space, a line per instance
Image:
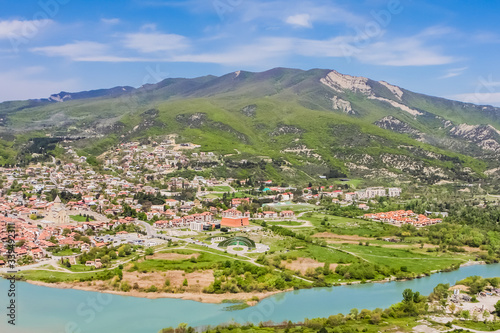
125,286
152,289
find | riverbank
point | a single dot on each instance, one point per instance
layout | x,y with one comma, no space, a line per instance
249,298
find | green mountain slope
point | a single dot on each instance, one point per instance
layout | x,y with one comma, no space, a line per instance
302,124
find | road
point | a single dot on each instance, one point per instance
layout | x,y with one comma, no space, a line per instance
51,261
149,228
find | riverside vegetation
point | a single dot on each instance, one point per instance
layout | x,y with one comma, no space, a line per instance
413,310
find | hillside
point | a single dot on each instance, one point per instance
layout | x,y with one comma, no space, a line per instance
283,124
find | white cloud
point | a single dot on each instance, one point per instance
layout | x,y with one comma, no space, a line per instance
261,53
269,11
402,52
436,31
110,21
26,29
154,42
75,51
374,48
148,27
453,72
302,20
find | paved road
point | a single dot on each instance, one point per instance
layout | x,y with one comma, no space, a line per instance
52,261
149,229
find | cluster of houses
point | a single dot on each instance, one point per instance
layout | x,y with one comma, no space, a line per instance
401,217
207,221
158,157
196,222
35,241
347,198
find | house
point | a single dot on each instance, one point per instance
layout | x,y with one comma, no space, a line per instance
287,214
363,206
238,201
171,202
270,215
37,253
160,208
231,213
349,196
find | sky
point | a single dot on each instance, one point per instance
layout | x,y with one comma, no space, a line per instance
442,48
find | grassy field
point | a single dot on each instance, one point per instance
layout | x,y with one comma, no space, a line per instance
289,223
49,276
79,218
396,258
349,226
355,183
202,262
316,252
66,252
78,268
479,325
220,188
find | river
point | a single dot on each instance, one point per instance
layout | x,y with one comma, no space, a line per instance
52,310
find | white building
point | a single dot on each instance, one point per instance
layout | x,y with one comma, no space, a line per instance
196,226
372,192
394,192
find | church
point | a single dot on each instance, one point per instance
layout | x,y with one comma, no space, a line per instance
57,212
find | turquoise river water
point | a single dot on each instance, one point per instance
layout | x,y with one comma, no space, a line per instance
52,310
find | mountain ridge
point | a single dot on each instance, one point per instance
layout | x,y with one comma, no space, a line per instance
357,126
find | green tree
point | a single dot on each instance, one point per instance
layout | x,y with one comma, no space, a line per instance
497,308
407,296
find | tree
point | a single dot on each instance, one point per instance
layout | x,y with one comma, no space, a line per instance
375,318
440,292
486,314
466,313
85,239
407,296
497,307
185,283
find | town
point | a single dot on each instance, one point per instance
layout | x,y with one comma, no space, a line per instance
32,199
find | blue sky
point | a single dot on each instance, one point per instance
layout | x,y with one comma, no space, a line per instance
443,48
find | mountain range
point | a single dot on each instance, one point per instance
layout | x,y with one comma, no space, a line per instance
283,124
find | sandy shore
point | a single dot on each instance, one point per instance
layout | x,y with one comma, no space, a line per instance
199,297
